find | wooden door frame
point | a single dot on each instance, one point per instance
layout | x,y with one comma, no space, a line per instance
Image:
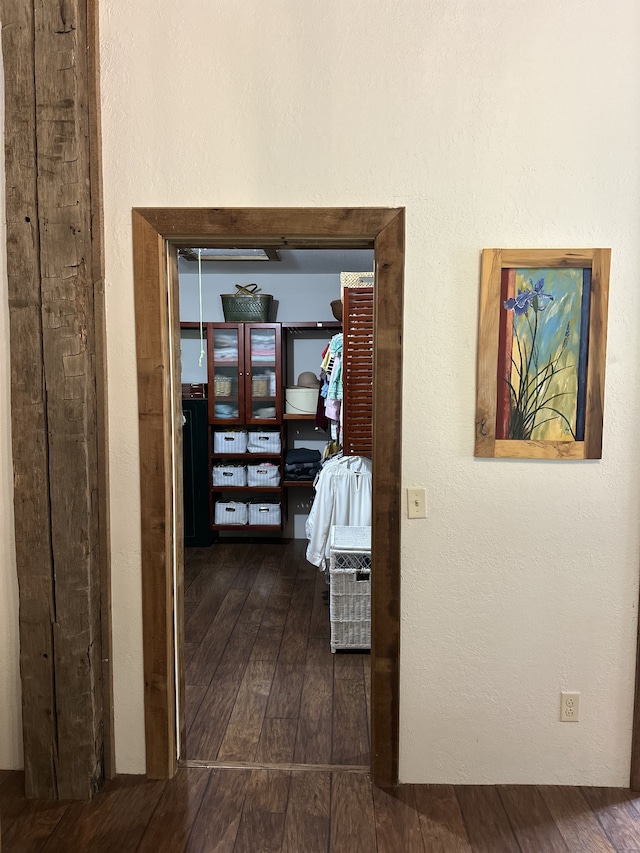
157,234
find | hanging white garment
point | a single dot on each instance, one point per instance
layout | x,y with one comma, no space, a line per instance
343,496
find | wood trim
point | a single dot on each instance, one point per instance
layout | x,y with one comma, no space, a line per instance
300,225
176,374
155,229
539,449
597,353
387,464
156,487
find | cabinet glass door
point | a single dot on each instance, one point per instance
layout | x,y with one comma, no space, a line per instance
225,373
264,397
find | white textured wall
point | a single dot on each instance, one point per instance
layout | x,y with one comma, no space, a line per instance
10,694
496,123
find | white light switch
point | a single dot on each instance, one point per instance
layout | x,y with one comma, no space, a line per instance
416,503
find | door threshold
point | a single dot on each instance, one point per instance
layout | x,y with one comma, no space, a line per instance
256,765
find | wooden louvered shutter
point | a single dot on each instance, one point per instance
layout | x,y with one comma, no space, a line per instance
357,371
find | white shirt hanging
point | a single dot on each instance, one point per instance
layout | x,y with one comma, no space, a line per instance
343,496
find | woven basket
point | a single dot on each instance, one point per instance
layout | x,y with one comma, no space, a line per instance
246,306
260,386
221,386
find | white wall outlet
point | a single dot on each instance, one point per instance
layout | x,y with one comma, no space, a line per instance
416,503
569,707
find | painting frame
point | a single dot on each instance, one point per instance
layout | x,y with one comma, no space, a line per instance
494,262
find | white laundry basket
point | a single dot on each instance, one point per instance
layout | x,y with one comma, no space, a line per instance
267,474
350,590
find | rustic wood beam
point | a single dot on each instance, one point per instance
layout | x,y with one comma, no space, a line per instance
54,257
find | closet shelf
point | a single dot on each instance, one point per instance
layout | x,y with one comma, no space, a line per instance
299,417
240,527
291,483
246,489
254,456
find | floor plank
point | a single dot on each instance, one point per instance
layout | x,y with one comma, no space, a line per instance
487,823
194,694
256,603
240,742
352,817
114,820
263,816
203,600
576,822
175,813
397,820
314,738
216,826
31,828
210,724
277,741
202,665
350,744
12,801
441,822
308,817
293,648
286,691
320,625
317,811
269,639
617,815
530,819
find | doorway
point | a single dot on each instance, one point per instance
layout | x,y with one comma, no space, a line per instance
158,234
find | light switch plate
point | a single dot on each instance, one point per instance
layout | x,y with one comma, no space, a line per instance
416,503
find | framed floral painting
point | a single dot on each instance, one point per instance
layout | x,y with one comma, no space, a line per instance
541,353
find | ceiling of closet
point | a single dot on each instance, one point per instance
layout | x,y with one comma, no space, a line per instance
323,261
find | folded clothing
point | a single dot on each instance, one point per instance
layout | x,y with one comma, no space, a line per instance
301,455
301,466
303,473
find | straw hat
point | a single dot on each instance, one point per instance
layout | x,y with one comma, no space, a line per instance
307,379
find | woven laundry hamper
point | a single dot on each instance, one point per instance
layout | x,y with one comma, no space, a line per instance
350,587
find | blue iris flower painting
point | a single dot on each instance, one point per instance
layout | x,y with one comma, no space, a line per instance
544,321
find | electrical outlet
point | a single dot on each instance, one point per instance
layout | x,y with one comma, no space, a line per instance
416,503
569,707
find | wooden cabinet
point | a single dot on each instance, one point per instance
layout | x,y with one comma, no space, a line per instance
244,373
195,476
244,377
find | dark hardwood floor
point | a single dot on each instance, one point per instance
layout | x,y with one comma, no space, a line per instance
264,688
317,811
262,685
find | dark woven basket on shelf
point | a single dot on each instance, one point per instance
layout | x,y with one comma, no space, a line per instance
246,306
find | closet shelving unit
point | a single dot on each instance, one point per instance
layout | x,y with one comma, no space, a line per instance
246,408
322,330
244,390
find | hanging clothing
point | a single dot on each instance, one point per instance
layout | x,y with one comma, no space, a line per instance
343,496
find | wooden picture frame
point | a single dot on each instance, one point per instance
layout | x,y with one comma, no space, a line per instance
541,353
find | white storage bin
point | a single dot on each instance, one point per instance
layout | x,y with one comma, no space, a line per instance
229,475
232,512
264,442
350,591
266,474
300,401
264,513
230,441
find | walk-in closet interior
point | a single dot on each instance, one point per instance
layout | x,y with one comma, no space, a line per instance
277,381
